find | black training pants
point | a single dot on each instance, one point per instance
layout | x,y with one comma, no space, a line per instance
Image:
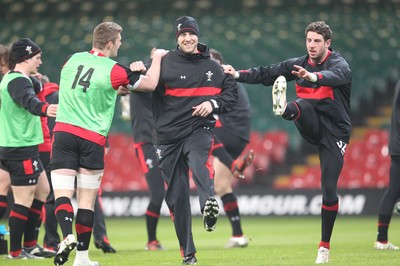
175,160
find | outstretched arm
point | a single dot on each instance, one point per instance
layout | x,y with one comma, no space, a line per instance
149,81
304,74
228,69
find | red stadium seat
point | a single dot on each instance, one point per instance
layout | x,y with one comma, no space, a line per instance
122,169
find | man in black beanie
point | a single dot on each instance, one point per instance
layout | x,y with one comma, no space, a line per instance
19,139
192,88
186,24
24,49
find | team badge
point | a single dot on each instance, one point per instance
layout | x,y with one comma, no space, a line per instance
28,49
209,74
35,164
158,152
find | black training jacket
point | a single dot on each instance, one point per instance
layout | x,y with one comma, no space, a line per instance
330,94
187,80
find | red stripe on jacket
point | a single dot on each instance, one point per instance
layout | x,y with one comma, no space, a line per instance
188,92
311,93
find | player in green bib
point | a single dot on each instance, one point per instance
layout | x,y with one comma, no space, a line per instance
89,101
89,84
20,135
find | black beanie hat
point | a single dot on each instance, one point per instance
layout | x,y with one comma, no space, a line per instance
184,24
24,49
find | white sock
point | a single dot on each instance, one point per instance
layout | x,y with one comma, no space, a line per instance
82,255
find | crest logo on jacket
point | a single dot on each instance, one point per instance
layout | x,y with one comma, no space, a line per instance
209,75
158,152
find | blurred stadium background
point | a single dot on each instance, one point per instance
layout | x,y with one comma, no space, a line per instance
249,33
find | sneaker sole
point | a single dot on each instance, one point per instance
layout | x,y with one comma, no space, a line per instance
248,160
62,258
279,95
388,246
237,245
45,254
210,214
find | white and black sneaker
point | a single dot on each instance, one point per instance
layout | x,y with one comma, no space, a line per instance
22,256
64,248
323,256
279,96
189,260
237,242
85,262
385,246
40,251
210,214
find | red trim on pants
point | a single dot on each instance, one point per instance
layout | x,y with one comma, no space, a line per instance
141,157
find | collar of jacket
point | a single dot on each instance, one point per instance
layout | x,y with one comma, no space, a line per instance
203,49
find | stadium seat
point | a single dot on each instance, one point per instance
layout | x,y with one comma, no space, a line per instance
122,169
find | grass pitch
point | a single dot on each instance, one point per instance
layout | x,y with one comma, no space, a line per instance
274,241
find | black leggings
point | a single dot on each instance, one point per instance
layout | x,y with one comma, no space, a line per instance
331,167
330,155
392,193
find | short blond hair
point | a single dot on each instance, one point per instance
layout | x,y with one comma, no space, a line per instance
104,33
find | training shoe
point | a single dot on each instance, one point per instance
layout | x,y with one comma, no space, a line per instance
106,247
387,246
210,214
154,245
23,256
237,242
279,96
40,251
64,248
50,247
86,262
241,164
323,255
189,260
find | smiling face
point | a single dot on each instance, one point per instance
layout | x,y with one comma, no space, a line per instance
187,42
317,47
